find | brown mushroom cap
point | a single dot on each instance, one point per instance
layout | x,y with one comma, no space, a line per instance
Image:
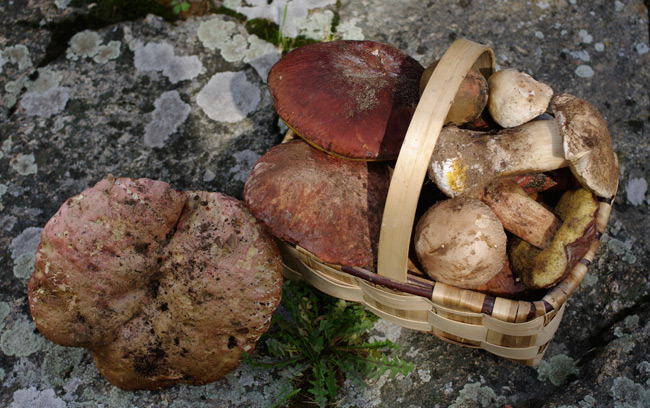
329,206
587,144
504,284
352,98
161,286
471,97
461,242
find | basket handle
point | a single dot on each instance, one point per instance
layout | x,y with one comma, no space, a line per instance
417,148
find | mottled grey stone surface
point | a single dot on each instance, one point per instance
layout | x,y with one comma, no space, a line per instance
148,98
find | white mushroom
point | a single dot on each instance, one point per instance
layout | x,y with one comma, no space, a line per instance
516,98
464,162
461,242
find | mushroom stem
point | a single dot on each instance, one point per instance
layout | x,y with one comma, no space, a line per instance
520,214
464,162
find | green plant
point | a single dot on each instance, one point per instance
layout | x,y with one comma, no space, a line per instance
178,6
323,342
271,32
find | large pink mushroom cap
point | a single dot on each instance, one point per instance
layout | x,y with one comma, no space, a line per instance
161,286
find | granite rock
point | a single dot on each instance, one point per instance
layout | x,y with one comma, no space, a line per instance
185,102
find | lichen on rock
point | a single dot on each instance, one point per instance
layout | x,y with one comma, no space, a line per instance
285,13
20,340
169,114
46,104
155,57
107,52
557,369
628,394
235,45
245,161
83,44
24,164
24,265
17,54
228,97
25,242
32,397
477,395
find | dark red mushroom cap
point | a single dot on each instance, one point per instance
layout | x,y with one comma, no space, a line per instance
352,98
330,206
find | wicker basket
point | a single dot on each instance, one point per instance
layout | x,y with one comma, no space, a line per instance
516,330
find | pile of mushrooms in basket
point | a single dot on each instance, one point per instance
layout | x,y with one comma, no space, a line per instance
513,189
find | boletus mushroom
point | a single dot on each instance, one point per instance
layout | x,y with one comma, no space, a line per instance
470,99
461,242
465,161
161,286
354,99
519,213
330,206
516,98
543,268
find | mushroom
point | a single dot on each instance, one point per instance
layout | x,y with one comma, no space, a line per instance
330,206
504,284
516,98
470,100
351,98
161,286
460,242
465,161
587,144
519,213
540,269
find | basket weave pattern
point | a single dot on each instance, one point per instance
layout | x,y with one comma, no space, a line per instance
517,330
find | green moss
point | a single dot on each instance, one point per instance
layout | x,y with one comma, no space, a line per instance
270,32
557,369
228,12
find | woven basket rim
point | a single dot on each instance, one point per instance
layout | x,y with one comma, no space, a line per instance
418,286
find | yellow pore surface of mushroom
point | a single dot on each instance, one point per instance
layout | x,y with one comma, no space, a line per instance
540,269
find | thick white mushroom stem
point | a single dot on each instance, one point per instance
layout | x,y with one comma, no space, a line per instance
464,162
520,214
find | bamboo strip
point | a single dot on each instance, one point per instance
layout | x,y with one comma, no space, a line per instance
525,353
396,300
409,324
416,150
342,291
464,330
